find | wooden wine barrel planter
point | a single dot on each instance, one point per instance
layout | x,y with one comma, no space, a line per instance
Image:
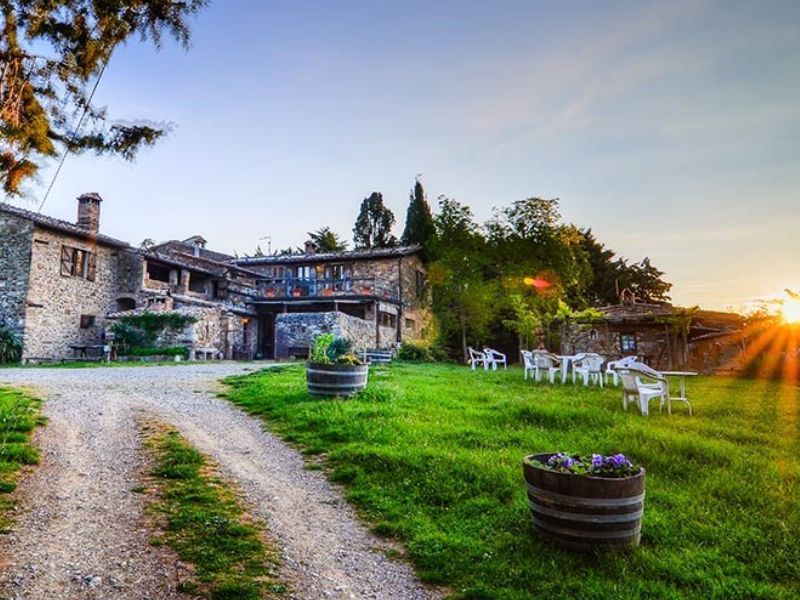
585,513
335,380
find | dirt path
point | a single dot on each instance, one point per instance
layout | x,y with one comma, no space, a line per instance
79,532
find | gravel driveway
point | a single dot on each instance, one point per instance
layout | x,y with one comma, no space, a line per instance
79,529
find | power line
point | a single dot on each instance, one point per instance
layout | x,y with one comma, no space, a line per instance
76,130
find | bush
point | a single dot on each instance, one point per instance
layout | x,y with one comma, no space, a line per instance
10,346
143,330
420,352
329,349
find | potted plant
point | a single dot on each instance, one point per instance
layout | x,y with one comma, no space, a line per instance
586,503
334,369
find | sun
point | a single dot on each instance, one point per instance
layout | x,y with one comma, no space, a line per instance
790,311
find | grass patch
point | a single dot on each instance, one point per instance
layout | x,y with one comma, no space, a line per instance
431,455
203,521
19,415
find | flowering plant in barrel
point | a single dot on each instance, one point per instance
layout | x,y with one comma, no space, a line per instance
615,465
334,369
586,502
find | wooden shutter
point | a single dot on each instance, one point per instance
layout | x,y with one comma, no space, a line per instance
66,260
91,266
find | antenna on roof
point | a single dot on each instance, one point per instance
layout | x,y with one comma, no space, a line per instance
269,243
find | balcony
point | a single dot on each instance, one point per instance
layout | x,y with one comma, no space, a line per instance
320,289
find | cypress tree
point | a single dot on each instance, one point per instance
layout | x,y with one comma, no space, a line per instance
419,228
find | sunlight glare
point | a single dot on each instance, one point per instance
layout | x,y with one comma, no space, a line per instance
790,311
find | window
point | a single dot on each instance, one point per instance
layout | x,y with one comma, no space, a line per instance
387,319
157,272
341,276
124,304
305,272
410,324
419,280
87,321
78,263
627,343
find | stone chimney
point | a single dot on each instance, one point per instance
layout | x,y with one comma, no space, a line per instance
89,211
311,247
197,242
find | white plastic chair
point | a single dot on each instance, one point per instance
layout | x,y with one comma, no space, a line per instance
589,367
528,364
640,393
651,373
613,365
546,363
493,358
476,358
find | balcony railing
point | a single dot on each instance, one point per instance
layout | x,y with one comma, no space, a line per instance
371,287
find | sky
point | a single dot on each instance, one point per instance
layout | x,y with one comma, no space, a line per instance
672,129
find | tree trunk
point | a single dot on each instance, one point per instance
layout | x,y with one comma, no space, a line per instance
463,322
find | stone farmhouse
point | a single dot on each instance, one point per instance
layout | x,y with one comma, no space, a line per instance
62,285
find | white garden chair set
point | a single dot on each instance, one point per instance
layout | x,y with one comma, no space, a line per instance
640,383
587,366
488,359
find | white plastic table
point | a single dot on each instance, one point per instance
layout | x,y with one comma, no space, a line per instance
681,375
566,361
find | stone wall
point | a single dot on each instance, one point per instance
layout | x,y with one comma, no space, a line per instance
15,255
298,330
215,327
56,302
415,303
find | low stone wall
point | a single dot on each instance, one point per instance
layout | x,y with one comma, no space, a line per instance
295,332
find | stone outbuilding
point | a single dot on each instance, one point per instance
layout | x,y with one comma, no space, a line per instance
666,337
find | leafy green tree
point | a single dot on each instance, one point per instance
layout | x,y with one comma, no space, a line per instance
527,239
611,275
420,228
327,240
49,52
373,228
647,282
463,298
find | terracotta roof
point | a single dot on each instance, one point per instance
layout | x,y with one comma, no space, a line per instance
62,226
363,254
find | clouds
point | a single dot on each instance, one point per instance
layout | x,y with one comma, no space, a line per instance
672,128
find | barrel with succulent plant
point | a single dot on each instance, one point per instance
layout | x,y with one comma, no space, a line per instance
334,369
583,503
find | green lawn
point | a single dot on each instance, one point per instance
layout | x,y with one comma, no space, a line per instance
204,522
19,415
431,455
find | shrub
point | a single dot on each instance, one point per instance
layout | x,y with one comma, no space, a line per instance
319,351
329,349
10,346
420,352
142,330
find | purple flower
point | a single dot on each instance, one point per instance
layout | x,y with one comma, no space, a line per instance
597,461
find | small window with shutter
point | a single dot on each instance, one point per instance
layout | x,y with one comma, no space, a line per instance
78,263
